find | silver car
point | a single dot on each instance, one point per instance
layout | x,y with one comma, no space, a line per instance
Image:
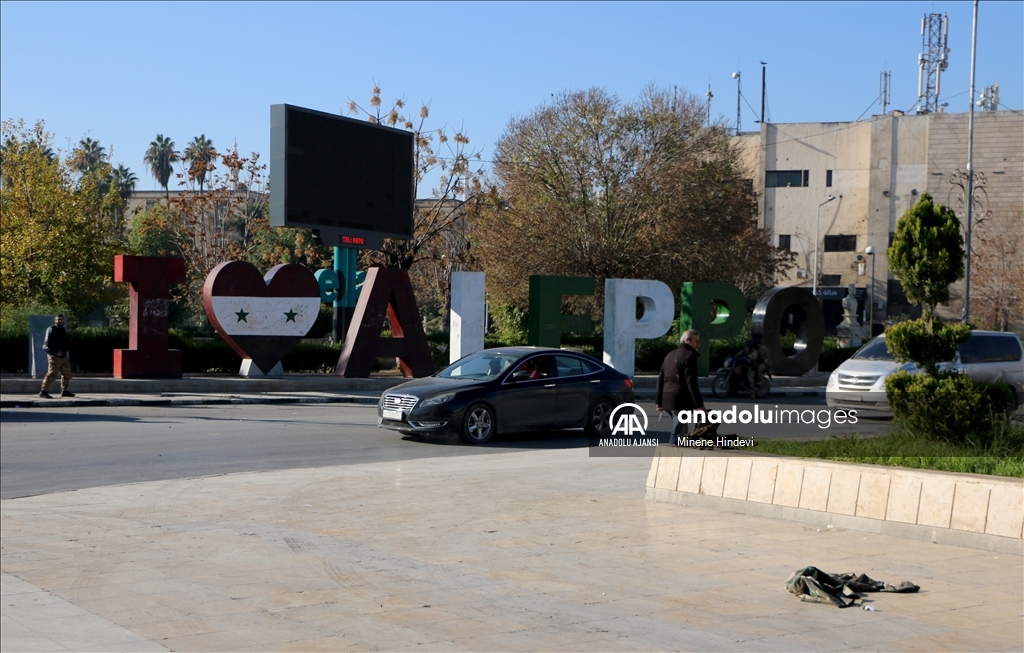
859,383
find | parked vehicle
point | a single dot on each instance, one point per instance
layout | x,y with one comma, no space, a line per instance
731,380
508,389
989,356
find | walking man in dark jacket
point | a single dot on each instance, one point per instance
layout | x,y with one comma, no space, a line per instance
56,344
677,382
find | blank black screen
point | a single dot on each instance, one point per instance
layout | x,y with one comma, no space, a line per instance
344,173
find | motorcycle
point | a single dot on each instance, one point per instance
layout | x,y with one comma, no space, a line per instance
731,380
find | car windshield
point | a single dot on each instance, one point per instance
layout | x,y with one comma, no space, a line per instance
874,351
481,365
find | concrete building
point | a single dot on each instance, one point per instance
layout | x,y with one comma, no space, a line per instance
877,169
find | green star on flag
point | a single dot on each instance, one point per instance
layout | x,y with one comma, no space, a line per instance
241,315
290,315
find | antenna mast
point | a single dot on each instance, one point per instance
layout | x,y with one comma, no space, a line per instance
710,95
739,94
883,89
934,58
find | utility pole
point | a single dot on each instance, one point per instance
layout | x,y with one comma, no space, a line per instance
970,171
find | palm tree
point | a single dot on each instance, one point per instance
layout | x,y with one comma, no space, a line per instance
160,157
123,181
199,153
89,155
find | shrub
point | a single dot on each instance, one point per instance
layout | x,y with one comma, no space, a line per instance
948,407
926,342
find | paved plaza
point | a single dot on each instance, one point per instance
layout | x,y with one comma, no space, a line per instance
541,550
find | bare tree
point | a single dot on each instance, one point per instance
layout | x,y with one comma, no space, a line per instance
437,151
591,186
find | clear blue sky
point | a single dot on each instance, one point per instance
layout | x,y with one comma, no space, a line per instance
122,72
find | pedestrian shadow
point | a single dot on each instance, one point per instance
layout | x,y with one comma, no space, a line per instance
21,416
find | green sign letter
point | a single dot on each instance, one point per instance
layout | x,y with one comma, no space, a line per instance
547,323
715,310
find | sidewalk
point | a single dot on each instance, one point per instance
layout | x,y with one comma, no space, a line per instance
19,391
540,550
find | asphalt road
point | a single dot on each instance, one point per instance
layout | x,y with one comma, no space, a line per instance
43,451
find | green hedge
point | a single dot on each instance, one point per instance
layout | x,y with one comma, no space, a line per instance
92,350
948,407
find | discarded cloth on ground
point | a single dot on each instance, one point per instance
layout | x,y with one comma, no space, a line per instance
841,590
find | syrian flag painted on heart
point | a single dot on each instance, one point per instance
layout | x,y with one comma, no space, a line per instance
261,317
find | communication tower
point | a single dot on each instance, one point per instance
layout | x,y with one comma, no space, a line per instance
934,58
989,98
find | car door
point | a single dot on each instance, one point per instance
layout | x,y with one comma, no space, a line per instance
991,358
529,403
975,358
575,386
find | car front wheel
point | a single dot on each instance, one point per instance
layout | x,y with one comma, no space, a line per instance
597,419
479,425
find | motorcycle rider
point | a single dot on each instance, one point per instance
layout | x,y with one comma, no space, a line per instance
758,362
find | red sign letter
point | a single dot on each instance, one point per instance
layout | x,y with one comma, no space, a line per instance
147,355
385,290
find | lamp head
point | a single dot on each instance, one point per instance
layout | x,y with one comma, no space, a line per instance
869,250
735,75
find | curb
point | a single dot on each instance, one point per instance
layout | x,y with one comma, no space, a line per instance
183,401
33,402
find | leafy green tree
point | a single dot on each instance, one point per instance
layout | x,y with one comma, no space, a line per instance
156,231
57,238
927,253
199,154
160,157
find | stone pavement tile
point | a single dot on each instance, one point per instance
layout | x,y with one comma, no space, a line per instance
217,641
990,614
1009,638
162,630
131,616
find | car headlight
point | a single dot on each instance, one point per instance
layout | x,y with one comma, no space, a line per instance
438,400
832,378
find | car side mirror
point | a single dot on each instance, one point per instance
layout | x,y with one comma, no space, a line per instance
520,375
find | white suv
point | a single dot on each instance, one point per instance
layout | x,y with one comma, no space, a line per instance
986,356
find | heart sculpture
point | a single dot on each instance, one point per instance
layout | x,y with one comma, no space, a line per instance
261,317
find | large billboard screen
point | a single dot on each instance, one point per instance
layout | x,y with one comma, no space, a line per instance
350,180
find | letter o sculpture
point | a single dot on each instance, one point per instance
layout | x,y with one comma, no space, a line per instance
809,325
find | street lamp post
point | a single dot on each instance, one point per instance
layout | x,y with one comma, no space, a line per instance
870,251
817,228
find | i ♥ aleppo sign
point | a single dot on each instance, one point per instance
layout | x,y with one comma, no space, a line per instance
261,317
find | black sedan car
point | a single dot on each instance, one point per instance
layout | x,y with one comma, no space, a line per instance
508,389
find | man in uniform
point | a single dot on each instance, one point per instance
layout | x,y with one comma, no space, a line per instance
56,344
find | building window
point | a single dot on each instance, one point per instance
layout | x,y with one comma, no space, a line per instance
828,178
784,242
786,178
841,243
833,280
